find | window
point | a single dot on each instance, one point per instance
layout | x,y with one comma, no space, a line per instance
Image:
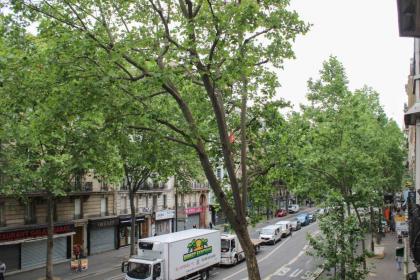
123,204
154,203
104,206
30,213
233,246
77,209
147,201
2,214
164,201
156,271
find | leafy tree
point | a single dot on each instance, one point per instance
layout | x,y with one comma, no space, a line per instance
48,128
345,157
194,56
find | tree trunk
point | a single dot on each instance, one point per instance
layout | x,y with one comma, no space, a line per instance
50,241
287,201
133,223
342,246
236,220
363,239
249,250
372,230
244,146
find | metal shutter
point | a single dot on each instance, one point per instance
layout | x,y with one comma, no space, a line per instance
102,240
193,220
34,254
10,255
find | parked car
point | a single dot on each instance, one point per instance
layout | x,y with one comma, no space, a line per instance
286,227
312,217
271,234
281,213
322,211
295,224
303,218
293,208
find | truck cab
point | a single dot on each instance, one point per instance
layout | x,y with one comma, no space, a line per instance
231,250
143,268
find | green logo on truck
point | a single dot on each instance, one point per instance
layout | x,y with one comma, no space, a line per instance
197,248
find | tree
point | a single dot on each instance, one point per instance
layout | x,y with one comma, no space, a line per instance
187,53
45,138
345,157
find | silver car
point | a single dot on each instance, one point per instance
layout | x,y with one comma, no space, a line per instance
295,224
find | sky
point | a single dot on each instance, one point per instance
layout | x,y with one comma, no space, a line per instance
363,34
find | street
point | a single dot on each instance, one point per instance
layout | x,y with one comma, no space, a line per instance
285,260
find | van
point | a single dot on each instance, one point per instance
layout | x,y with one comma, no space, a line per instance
286,228
293,208
271,234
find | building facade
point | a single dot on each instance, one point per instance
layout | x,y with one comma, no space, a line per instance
86,217
193,207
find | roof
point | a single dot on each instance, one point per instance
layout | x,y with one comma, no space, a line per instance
180,235
270,227
283,222
227,236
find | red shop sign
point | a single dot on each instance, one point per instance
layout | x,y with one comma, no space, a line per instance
193,210
33,233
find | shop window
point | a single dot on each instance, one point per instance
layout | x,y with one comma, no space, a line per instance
2,214
104,206
77,208
30,212
165,201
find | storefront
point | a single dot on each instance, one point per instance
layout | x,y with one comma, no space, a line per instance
80,236
124,230
164,221
102,235
193,217
26,248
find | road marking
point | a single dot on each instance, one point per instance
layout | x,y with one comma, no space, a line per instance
116,277
259,260
296,273
282,271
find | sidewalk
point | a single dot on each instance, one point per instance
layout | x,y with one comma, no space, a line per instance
386,268
97,263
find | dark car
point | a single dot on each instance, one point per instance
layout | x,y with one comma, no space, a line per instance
303,218
281,213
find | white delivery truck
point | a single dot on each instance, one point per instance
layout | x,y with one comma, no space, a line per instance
232,251
188,254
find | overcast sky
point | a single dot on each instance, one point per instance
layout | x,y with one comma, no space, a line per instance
363,34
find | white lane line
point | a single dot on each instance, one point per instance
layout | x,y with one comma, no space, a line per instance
263,258
260,260
296,273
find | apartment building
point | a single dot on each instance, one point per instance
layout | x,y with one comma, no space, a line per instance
85,217
193,207
154,206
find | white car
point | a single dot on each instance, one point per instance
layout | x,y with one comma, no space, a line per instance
286,227
293,208
271,234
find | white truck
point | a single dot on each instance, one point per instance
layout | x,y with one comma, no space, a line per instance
188,254
232,251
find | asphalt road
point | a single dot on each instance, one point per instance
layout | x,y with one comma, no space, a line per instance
287,260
